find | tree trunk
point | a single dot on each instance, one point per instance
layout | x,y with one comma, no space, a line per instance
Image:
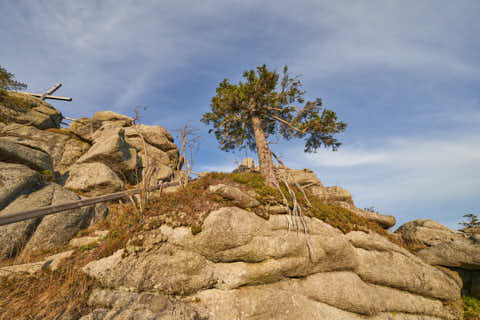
265,161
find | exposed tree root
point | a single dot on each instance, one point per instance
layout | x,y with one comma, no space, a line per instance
295,217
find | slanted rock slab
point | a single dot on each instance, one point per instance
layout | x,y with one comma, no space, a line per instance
16,179
92,179
18,153
398,269
427,232
57,229
13,237
461,253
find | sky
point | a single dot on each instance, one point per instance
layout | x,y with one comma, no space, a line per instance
404,76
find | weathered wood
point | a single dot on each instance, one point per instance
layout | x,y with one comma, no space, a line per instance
47,96
51,90
40,212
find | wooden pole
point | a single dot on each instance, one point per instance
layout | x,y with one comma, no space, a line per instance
47,96
51,90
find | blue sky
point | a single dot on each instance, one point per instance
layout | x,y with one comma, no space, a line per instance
404,75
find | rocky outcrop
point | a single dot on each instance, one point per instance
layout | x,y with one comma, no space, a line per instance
92,179
39,162
111,149
63,148
23,154
16,179
307,179
24,109
386,221
441,246
463,254
427,232
241,266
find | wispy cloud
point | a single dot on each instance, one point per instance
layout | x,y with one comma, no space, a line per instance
402,175
388,69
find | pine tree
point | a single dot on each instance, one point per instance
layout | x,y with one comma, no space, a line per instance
248,113
8,82
472,221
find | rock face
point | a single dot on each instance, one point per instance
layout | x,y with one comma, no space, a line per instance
64,149
26,155
427,232
38,159
442,246
241,266
93,179
46,232
21,108
16,179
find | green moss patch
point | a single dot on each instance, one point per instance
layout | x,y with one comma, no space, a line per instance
471,308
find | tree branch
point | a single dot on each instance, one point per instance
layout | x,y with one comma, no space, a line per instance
286,123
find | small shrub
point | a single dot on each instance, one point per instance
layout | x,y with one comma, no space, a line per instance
8,82
47,176
472,221
471,308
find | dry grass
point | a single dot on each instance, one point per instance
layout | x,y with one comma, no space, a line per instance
46,294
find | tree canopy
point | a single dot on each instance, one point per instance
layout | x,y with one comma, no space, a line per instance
472,221
8,82
265,104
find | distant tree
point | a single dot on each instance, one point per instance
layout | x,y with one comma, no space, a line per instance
472,221
8,82
371,209
248,113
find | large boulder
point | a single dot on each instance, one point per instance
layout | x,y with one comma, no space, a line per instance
63,147
16,107
16,179
93,179
384,220
384,263
154,135
110,148
158,142
241,266
23,154
84,128
304,177
111,116
427,232
440,246
464,254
